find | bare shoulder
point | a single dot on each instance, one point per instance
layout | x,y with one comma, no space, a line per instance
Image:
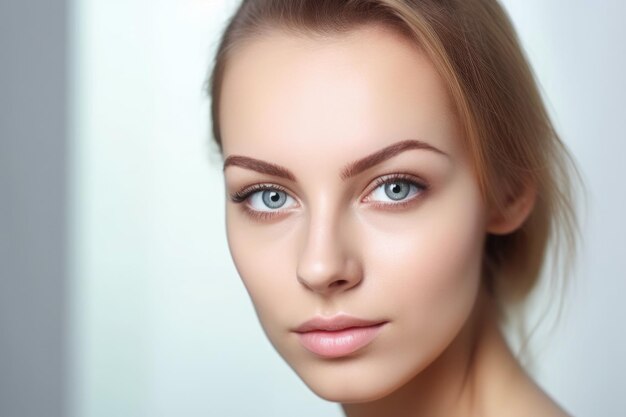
509,390
528,399
514,393
537,402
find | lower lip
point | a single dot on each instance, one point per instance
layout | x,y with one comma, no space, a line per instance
334,344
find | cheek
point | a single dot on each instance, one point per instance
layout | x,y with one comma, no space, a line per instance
263,260
434,257
428,268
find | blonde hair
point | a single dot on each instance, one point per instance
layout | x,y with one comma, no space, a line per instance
508,132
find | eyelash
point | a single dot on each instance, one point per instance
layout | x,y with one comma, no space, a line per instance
243,194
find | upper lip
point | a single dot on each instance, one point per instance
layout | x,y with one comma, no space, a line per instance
338,322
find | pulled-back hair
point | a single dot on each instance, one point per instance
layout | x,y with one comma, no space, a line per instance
507,131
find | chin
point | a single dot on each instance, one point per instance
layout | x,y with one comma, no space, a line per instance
352,392
345,393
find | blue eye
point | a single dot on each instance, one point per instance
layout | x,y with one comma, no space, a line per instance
395,190
398,190
269,199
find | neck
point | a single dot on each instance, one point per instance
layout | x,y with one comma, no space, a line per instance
467,379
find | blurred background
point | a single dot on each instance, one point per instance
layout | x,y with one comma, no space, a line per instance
117,292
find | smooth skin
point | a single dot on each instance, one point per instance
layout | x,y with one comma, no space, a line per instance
350,191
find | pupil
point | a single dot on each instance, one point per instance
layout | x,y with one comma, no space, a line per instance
275,197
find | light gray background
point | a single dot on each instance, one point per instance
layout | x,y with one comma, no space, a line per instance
117,293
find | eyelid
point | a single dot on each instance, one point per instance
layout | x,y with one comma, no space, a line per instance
243,194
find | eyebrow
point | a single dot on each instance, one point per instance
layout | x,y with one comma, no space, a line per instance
350,170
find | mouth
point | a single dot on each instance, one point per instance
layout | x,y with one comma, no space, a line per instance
337,336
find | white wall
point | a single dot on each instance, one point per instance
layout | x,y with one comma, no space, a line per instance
161,323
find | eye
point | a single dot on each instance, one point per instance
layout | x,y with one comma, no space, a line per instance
269,199
395,189
263,198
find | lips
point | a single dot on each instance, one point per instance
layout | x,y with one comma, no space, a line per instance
334,323
337,336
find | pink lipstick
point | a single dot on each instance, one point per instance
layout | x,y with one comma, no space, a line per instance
337,336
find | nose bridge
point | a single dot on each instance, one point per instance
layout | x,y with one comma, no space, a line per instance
326,262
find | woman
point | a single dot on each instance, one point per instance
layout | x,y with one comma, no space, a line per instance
393,183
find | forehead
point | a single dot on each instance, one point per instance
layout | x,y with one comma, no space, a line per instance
338,97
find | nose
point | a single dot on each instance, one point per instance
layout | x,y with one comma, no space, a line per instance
327,263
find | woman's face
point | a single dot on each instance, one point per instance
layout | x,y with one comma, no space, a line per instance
349,192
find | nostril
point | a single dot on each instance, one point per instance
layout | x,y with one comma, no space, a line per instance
338,282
